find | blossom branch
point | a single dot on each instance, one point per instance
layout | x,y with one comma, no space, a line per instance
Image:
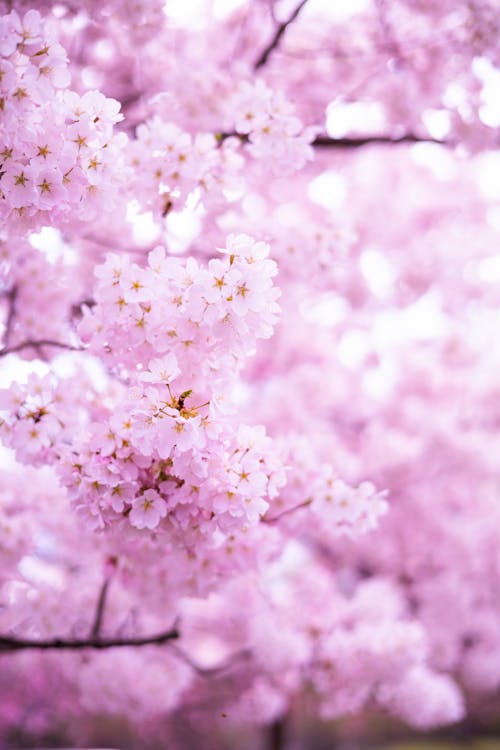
264,56
36,344
8,643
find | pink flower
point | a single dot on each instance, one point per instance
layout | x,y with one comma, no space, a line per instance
251,105
11,33
50,188
18,185
147,510
161,370
31,29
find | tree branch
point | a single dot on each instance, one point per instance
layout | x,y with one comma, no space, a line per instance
263,58
11,301
37,344
8,644
325,141
276,732
99,612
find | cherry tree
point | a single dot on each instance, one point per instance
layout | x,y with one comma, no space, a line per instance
248,407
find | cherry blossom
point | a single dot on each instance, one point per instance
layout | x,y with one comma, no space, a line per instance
248,372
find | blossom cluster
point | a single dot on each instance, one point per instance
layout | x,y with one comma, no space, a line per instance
42,414
165,455
316,495
204,319
276,136
356,647
59,155
168,456
169,165
201,491
40,292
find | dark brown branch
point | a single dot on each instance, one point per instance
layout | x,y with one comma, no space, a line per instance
99,612
9,644
11,301
276,734
325,141
37,344
263,58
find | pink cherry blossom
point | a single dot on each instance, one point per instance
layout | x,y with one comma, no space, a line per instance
248,372
147,510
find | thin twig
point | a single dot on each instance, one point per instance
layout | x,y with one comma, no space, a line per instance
99,612
36,344
8,643
274,519
11,301
263,58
